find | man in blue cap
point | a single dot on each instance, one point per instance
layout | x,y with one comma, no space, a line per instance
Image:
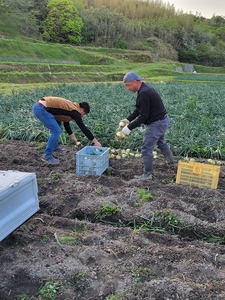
149,110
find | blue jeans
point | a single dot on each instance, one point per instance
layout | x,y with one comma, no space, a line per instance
50,122
155,135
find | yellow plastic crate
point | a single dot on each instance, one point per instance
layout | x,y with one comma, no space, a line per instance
198,174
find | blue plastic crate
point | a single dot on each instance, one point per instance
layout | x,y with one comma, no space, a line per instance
92,160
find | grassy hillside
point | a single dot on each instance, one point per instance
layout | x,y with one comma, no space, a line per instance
28,64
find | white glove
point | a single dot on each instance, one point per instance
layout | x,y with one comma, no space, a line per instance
126,130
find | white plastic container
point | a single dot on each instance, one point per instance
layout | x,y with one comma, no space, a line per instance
18,200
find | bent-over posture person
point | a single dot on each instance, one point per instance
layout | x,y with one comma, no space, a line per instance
51,111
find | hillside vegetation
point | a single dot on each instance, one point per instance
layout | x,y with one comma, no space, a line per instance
29,64
152,26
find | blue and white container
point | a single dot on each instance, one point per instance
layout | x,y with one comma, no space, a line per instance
18,200
92,160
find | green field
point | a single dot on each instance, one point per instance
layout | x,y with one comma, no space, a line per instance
196,111
30,70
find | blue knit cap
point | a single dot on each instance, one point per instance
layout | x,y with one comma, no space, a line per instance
132,76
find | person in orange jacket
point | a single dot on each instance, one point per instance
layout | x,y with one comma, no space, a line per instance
51,111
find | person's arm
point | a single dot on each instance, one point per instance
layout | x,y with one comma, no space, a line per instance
143,114
75,115
133,115
69,131
78,119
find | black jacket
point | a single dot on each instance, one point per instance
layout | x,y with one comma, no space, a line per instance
149,107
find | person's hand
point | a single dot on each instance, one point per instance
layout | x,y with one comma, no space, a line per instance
73,138
123,123
95,142
126,130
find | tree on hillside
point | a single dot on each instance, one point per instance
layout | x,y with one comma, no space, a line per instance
135,9
6,16
102,26
22,14
110,29
42,12
27,21
63,24
4,7
78,4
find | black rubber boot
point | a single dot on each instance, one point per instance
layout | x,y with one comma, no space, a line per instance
168,155
148,169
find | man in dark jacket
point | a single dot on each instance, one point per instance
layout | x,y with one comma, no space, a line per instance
149,110
51,111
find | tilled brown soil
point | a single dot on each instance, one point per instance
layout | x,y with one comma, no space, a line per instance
168,247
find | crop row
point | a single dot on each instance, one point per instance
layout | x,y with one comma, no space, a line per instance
196,112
